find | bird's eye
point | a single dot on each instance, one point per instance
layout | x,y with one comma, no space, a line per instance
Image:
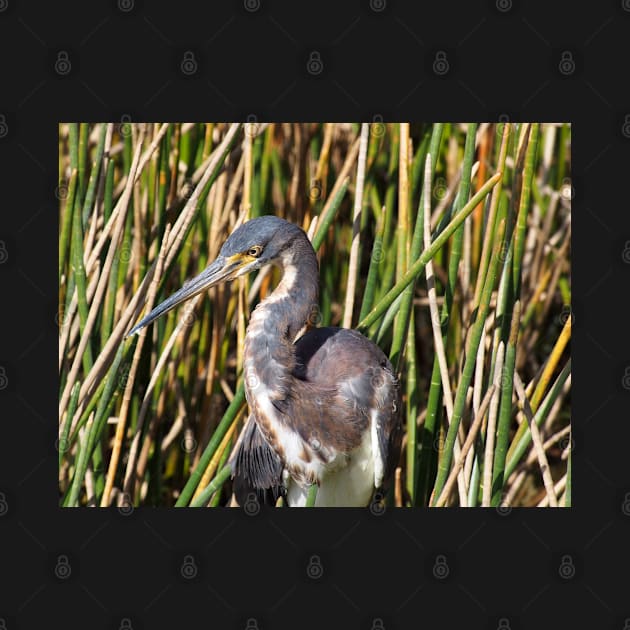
255,251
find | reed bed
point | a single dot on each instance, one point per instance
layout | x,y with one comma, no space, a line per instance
447,244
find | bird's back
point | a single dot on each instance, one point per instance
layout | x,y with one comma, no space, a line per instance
333,355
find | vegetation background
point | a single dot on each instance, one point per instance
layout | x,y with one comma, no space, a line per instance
448,244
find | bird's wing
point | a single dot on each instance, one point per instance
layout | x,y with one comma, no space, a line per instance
366,391
256,468
388,428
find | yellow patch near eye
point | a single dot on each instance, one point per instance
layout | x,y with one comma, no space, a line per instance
238,261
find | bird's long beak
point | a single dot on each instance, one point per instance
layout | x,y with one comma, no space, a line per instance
220,270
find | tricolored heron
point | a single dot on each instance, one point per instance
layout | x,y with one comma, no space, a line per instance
324,408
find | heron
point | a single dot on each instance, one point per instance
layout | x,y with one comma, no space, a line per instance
324,401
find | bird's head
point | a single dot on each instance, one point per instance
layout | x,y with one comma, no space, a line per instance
255,244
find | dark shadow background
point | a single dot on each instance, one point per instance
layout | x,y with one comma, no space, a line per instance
323,61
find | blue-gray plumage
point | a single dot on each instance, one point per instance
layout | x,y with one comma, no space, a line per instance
324,406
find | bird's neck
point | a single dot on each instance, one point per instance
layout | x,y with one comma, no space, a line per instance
269,357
